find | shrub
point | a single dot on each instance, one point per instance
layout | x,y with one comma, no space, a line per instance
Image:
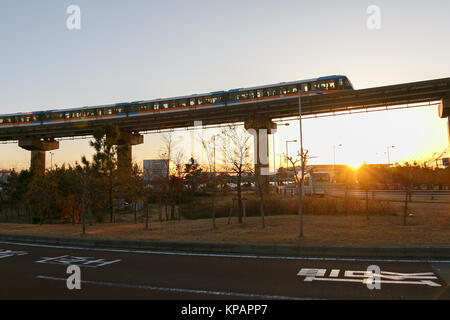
201,208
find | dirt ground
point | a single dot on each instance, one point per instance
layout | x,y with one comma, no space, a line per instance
429,225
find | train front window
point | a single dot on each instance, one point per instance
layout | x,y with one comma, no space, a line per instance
347,84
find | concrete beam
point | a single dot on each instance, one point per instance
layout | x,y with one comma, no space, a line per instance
130,138
444,108
38,148
260,123
33,144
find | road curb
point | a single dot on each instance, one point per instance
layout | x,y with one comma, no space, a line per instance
277,250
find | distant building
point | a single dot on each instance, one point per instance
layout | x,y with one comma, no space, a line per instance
157,168
4,176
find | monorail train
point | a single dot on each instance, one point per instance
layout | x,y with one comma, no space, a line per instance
323,85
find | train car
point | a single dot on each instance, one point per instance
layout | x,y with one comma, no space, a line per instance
242,96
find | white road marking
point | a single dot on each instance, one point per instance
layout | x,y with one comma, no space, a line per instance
334,273
9,253
240,256
67,260
368,277
180,290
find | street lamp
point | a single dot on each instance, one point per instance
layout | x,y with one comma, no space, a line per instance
334,159
301,186
51,160
273,142
287,151
388,156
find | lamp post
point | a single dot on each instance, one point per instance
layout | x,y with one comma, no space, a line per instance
274,153
287,151
334,160
51,160
388,155
301,185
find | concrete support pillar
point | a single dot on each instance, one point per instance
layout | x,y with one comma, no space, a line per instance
260,128
124,148
444,112
38,148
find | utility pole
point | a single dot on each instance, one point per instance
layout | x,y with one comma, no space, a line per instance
334,159
388,156
300,189
51,160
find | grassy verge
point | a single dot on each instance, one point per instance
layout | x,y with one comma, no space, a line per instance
429,225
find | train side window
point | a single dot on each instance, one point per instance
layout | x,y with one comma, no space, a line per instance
283,90
173,104
182,103
233,96
156,106
314,86
331,85
1,120
216,99
291,89
304,87
270,92
243,95
259,93
208,100
192,102
251,94
165,105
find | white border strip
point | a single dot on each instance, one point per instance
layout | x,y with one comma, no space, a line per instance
245,256
180,290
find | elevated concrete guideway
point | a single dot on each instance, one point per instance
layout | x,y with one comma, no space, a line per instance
263,111
407,93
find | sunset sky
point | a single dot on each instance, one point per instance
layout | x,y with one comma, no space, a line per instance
137,50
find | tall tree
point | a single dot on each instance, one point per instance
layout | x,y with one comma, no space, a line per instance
105,158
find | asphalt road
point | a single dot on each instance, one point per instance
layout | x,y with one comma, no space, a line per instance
40,272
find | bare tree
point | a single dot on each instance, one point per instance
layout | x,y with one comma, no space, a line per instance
209,146
238,158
